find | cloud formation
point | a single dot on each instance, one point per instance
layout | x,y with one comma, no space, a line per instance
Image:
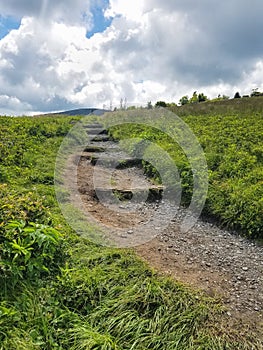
152,50
67,11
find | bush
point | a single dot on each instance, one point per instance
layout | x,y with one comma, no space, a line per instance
28,250
21,206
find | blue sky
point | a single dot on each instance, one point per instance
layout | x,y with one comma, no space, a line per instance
152,50
100,23
6,24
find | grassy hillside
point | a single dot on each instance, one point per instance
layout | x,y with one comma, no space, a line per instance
240,106
231,135
60,291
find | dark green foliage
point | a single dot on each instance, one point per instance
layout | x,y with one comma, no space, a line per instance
184,100
256,93
3,175
149,105
194,99
27,251
202,97
161,104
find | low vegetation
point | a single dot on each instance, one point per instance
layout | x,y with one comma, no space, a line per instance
60,291
231,135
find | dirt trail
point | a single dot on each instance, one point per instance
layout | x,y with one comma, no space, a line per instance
221,264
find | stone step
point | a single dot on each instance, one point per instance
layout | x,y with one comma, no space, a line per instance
86,156
93,126
101,138
119,163
153,193
94,149
99,131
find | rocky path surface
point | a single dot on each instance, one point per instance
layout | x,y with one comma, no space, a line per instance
224,265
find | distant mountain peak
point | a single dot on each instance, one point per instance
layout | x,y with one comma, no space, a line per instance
82,112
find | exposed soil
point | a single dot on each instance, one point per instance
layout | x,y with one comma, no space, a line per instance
221,264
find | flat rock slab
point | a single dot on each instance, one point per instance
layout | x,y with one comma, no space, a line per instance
122,163
97,131
94,149
93,126
101,138
152,194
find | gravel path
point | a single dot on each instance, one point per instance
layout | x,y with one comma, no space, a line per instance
222,264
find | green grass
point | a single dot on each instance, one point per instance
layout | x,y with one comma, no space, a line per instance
240,106
231,135
60,291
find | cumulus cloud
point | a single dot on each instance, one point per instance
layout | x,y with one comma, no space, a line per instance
128,9
72,12
199,43
184,44
48,68
152,50
11,104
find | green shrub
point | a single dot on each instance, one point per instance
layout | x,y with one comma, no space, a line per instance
28,250
27,206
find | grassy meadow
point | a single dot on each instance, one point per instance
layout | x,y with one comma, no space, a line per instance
60,291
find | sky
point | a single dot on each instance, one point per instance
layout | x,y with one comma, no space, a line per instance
65,54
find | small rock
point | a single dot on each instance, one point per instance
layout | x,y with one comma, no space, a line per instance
130,232
244,268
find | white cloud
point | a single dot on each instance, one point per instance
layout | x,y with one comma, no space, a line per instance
11,104
132,10
253,79
71,12
152,50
